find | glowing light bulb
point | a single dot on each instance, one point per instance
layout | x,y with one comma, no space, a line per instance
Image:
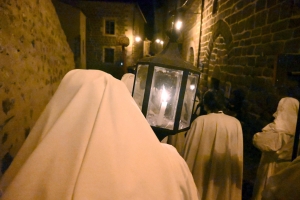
178,25
138,39
192,87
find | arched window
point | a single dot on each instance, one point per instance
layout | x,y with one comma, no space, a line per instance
191,55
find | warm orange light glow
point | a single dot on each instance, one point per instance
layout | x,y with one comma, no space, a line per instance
178,25
138,39
192,87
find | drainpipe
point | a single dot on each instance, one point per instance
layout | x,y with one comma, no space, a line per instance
200,34
133,37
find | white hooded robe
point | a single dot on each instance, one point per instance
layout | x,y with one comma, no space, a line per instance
276,143
92,142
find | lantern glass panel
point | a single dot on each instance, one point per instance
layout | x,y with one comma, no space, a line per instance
139,85
164,97
188,101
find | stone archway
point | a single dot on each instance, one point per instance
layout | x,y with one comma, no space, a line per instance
219,46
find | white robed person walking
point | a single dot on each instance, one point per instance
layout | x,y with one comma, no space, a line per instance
275,141
92,142
214,151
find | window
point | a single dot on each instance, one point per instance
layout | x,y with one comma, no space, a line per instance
110,27
109,55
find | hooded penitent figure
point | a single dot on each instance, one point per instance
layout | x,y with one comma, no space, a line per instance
285,184
93,142
214,151
276,143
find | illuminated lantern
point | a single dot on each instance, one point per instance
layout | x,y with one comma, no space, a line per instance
165,88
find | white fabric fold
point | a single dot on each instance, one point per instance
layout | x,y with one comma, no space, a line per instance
285,184
92,142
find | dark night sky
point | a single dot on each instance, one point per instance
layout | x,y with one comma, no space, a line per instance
147,7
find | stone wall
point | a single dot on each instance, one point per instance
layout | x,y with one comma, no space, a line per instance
240,43
34,57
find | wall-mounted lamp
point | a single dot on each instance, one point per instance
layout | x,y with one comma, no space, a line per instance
159,41
138,39
178,25
123,40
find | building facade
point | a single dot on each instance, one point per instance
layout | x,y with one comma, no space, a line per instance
114,35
